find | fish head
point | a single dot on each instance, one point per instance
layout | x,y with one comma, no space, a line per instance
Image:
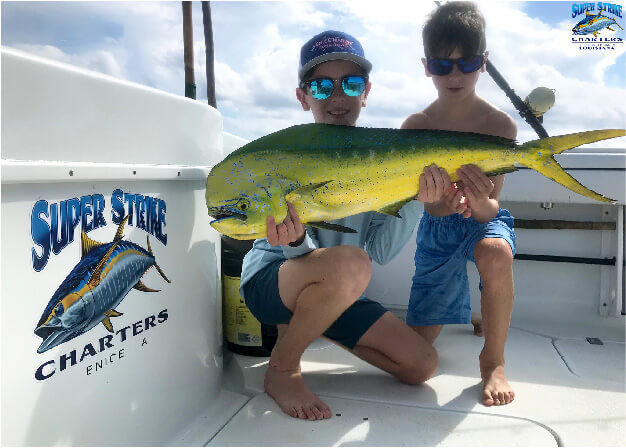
65,321
240,210
581,28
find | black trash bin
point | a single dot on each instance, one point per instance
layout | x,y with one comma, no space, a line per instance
243,333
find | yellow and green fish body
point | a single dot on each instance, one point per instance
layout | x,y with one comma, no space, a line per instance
330,172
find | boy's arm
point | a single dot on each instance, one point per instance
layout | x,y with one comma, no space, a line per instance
308,244
386,235
483,192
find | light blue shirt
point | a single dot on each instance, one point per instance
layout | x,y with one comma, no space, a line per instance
382,237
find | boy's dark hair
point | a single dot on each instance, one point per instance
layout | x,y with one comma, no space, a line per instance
452,25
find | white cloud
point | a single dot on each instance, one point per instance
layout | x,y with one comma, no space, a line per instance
257,48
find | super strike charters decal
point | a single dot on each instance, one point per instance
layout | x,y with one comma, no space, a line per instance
105,273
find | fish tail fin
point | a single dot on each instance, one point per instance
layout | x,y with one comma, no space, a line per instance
540,157
155,263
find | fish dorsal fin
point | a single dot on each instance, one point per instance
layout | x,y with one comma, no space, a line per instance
588,14
107,324
120,230
87,244
94,279
394,209
141,287
328,226
113,313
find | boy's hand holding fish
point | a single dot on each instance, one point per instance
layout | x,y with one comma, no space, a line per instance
478,188
444,197
289,232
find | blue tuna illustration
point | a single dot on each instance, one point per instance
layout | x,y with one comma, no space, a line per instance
94,288
593,24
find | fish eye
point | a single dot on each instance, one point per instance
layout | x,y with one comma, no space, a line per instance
243,205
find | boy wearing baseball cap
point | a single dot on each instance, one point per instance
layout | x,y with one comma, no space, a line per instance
309,281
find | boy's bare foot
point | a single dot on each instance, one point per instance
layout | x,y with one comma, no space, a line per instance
289,391
477,322
496,389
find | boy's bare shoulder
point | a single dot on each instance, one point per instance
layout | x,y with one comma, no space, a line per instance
417,121
500,123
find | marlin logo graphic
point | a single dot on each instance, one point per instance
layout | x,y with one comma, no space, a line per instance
94,288
594,23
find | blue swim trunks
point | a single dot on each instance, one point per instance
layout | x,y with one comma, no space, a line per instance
262,297
440,291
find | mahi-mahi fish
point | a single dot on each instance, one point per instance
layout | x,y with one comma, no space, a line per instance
329,171
94,288
593,24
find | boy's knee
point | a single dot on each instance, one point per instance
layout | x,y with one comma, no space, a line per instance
494,255
419,369
348,267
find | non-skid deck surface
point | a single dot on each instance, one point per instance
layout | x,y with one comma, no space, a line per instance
568,392
376,424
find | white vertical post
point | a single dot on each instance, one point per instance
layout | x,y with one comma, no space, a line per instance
616,311
607,290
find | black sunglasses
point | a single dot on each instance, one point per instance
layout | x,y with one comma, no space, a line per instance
322,88
443,66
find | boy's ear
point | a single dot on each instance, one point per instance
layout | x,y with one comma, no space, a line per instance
426,72
302,98
365,93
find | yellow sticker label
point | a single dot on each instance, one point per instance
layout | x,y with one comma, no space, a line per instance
240,325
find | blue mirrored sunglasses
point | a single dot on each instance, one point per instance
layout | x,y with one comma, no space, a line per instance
322,88
443,66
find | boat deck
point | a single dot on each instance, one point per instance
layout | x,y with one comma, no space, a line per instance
568,392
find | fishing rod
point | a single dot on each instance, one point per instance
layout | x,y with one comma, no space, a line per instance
522,106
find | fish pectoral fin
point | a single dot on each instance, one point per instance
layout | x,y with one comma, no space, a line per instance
306,190
113,313
394,209
328,226
502,170
141,287
107,324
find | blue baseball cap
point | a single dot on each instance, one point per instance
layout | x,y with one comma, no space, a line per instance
329,46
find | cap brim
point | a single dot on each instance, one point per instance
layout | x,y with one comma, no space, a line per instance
362,62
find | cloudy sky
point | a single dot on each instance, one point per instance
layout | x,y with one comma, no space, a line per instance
257,48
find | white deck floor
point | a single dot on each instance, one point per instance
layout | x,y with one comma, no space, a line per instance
568,392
